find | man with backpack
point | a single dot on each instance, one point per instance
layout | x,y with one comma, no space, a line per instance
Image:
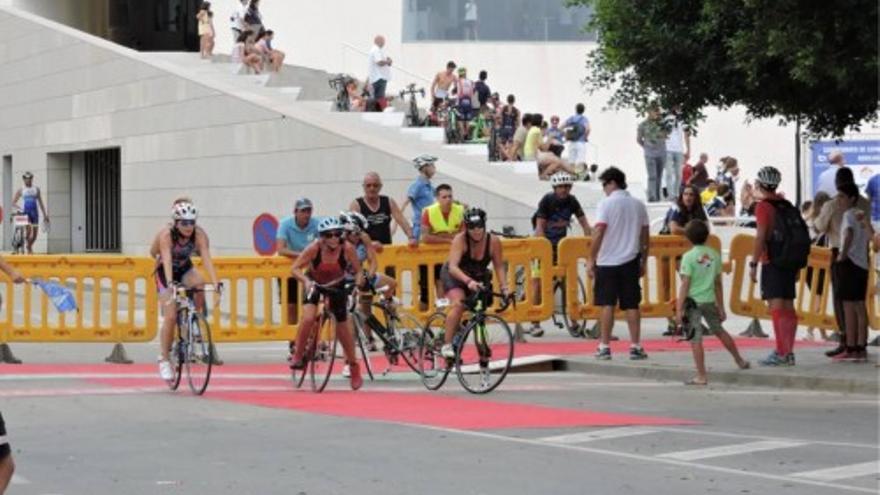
577,131
782,246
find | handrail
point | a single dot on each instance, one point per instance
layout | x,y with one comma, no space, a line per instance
394,66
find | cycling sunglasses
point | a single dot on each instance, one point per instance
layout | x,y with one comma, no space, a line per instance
327,235
187,223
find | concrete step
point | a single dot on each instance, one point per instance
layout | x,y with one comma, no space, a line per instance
388,119
477,149
432,134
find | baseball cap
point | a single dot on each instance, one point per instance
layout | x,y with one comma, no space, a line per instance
303,204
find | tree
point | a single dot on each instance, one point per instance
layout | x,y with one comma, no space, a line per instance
813,61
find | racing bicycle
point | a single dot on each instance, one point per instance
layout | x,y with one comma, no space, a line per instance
193,350
320,348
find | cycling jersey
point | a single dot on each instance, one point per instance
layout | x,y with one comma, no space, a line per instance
324,272
29,197
477,269
181,258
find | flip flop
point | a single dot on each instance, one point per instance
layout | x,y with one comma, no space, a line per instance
695,383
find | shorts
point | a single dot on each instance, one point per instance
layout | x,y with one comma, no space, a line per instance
4,443
506,134
177,276
618,285
451,283
465,109
33,215
707,312
777,283
856,286
336,300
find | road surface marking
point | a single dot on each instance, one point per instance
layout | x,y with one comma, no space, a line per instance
841,472
604,434
675,429
735,449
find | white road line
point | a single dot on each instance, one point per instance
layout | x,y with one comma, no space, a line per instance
18,479
695,431
841,472
642,458
604,434
726,450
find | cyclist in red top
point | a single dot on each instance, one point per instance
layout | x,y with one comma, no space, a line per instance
321,269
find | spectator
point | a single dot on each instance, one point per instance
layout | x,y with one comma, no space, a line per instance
826,182
709,192
873,192
829,222
244,56
356,101
747,199
687,171
379,70
32,199
552,221
810,210
651,137
618,256
294,234
777,282
685,209
379,210
510,118
442,220
419,196
470,20
678,151
721,205
554,133
549,161
206,30
515,148
464,90
533,138
441,85
700,176
852,266
577,131
701,297
253,20
268,53
729,173
236,20
494,106
482,89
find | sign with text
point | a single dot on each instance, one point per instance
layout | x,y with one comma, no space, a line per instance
861,155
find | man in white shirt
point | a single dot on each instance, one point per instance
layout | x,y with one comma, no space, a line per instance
470,20
618,256
379,68
678,151
826,178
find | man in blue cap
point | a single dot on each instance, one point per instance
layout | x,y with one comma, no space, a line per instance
294,234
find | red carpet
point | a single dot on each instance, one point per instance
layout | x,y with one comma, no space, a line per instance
437,410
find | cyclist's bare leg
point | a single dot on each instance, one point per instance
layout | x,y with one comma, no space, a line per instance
343,333
453,317
7,468
383,280
31,237
365,307
192,280
169,319
306,326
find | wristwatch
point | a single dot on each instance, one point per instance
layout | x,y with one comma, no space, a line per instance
753,264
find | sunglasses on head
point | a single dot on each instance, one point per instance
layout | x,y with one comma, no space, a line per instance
187,223
328,235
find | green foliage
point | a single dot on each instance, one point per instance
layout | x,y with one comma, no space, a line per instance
817,61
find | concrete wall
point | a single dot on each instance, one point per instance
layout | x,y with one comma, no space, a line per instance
65,92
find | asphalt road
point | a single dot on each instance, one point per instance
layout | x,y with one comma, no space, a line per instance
94,429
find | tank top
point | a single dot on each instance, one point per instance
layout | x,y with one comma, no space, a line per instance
379,220
29,197
181,253
465,88
509,117
477,269
326,271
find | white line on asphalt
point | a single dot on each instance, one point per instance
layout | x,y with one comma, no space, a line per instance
726,450
841,472
18,479
643,458
604,434
694,431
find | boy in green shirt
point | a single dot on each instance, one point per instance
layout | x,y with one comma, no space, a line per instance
701,284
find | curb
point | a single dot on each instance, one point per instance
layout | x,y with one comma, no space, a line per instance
741,378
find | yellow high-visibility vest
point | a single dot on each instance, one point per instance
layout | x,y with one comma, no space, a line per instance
441,225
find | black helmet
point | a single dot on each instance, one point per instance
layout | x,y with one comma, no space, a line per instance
475,217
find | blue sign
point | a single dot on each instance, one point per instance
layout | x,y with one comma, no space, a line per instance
862,156
265,228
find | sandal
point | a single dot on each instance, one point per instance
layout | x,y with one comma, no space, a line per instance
694,382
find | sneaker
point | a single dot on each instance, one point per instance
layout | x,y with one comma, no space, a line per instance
346,371
789,359
637,353
837,350
603,353
447,351
297,365
862,355
356,380
845,356
536,331
166,372
773,359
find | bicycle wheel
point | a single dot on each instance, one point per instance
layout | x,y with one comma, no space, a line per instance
485,354
18,241
433,367
321,364
360,339
407,332
200,354
575,327
177,355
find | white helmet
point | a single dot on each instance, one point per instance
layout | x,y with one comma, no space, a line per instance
329,223
353,221
423,161
184,211
769,176
561,179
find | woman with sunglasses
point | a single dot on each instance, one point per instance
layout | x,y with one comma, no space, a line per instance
173,248
467,270
326,262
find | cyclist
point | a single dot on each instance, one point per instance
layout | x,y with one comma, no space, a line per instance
552,220
172,248
465,92
32,199
327,261
467,271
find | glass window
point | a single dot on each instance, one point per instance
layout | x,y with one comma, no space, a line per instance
169,16
494,20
